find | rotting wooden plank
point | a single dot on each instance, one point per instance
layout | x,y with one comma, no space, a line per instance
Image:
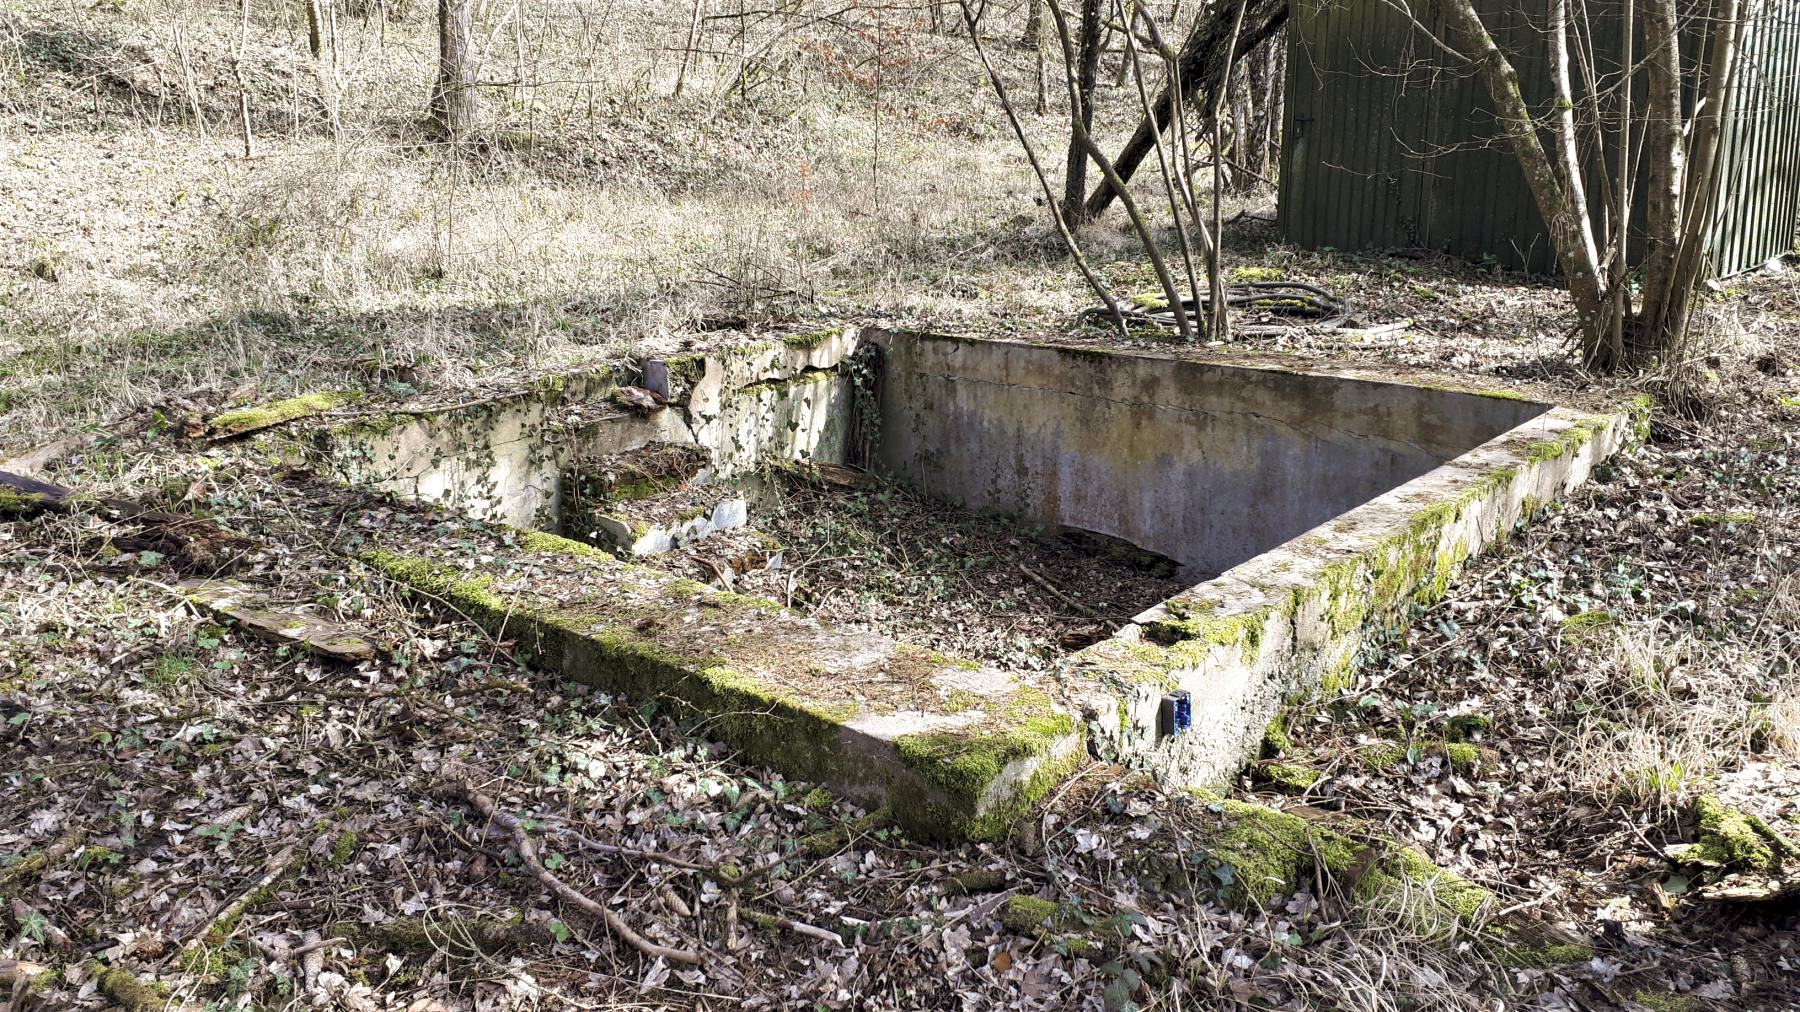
248,605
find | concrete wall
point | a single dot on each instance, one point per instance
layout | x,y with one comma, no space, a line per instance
503,459
1208,465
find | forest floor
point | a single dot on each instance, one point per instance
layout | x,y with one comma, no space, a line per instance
1628,652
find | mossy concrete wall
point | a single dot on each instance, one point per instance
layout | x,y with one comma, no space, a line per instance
504,458
1289,622
957,750
1321,501
1206,464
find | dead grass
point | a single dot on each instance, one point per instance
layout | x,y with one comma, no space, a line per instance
591,214
1665,711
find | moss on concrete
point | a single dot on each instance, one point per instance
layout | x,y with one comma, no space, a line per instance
688,368
1020,736
788,383
966,764
1198,629
1271,852
1571,440
245,419
1275,738
811,339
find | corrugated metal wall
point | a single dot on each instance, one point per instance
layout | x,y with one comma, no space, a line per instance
1760,202
1387,146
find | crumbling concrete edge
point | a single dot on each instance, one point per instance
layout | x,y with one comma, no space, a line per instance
956,773
1290,623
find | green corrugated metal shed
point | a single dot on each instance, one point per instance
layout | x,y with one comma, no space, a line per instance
1388,143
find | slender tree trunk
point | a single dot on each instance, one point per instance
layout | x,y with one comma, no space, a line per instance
1663,122
1034,24
1124,72
1700,191
1241,156
1567,220
315,39
1568,156
687,52
454,105
1086,72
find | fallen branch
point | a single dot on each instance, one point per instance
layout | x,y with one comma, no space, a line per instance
528,854
49,453
1064,598
18,975
277,867
249,607
198,543
135,994
40,861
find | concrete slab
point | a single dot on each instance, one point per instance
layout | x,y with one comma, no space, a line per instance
957,750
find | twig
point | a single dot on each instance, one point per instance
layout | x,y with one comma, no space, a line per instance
1516,907
797,927
528,854
283,954
277,867
613,848
1064,598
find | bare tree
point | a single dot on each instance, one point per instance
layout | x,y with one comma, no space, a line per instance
1201,66
1679,147
454,104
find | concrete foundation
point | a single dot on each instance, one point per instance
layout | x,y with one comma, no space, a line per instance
1304,505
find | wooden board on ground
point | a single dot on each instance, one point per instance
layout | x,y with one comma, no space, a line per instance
249,607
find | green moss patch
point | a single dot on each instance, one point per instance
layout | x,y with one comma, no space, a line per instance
1272,852
1024,754
1734,841
1722,519
1284,777
248,419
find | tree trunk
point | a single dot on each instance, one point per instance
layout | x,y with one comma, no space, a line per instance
453,102
1566,220
1663,150
1034,25
1241,157
1202,63
315,39
1700,190
1086,73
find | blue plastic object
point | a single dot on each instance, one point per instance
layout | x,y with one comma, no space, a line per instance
1178,712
